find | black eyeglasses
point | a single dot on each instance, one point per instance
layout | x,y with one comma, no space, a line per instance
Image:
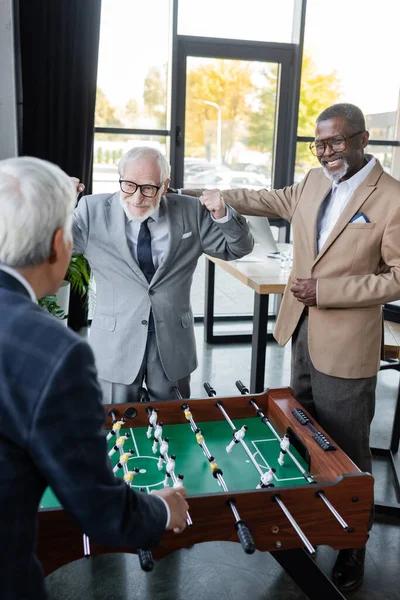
147,190
338,143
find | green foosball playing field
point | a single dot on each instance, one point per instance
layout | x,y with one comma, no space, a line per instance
238,471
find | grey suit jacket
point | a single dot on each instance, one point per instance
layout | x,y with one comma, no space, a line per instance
124,298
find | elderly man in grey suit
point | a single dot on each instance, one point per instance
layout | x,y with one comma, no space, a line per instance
143,246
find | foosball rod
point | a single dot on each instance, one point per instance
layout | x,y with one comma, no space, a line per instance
320,494
86,545
244,391
211,392
146,559
243,531
174,480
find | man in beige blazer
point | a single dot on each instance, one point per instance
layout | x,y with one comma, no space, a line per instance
346,264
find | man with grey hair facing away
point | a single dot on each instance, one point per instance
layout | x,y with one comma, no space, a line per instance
346,264
51,415
143,246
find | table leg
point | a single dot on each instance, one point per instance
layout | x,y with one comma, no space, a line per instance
209,302
307,575
394,442
259,343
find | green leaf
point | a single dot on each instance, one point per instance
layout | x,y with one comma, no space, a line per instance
78,274
50,304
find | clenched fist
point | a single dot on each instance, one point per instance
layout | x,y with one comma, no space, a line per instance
305,290
175,498
214,202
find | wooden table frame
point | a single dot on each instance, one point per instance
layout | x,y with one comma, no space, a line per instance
349,490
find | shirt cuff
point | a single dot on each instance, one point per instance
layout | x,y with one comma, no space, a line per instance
167,509
179,191
226,218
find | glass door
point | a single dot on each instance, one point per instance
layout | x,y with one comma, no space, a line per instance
233,103
232,122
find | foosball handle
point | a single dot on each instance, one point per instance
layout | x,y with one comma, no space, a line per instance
242,388
143,395
209,389
177,393
146,560
245,537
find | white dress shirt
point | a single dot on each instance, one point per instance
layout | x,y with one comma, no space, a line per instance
158,228
338,199
21,279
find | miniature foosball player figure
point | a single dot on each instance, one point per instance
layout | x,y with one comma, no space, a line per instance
237,436
285,445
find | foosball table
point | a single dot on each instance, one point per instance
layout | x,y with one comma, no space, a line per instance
258,470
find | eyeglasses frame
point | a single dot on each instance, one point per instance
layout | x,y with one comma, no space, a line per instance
328,143
138,186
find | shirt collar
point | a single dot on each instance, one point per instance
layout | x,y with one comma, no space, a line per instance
357,179
21,279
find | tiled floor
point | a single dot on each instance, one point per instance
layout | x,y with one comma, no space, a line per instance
221,571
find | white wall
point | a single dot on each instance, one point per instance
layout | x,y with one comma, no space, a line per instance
8,108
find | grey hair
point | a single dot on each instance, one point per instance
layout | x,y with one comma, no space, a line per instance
36,199
141,151
350,112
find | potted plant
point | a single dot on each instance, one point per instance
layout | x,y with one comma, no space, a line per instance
77,279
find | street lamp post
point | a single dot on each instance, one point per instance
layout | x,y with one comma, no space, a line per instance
219,128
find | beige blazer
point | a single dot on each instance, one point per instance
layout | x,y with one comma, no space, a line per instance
358,268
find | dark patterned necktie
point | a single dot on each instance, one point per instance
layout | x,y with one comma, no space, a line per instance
144,255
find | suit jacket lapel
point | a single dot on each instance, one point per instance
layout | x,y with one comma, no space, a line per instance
358,198
174,215
315,202
116,223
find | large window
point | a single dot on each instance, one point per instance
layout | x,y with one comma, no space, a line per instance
259,20
350,56
132,83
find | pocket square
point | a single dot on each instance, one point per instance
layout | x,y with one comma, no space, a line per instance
360,218
186,235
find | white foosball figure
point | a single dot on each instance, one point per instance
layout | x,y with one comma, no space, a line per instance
164,446
115,428
167,479
160,462
157,436
237,436
119,443
171,463
152,422
285,444
179,481
266,479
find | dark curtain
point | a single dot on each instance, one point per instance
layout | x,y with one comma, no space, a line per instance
59,42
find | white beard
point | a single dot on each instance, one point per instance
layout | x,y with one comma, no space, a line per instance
139,219
339,174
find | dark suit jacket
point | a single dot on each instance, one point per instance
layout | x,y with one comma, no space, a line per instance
51,433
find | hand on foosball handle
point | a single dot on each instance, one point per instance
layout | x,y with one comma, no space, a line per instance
175,498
